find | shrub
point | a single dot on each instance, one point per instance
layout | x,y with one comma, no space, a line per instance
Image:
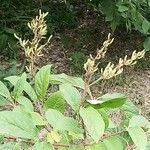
57,111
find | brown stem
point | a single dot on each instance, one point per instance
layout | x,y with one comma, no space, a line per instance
84,133
31,65
86,88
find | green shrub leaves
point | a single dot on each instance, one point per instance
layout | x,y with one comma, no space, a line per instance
139,137
109,100
71,95
55,101
84,126
4,91
17,123
42,81
59,122
93,121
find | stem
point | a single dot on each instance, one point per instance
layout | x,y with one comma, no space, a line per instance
84,134
47,127
86,89
31,65
95,81
61,145
114,134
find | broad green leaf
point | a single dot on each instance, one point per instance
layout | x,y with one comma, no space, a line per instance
10,146
65,79
12,79
93,121
26,103
38,120
42,146
147,43
109,100
104,116
71,95
19,86
139,121
59,122
99,146
55,101
17,123
114,143
4,91
3,101
138,137
129,109
42,81
27,88
145,26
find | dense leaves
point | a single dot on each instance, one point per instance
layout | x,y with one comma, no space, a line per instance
36,115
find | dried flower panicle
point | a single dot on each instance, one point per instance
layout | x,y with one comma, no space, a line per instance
33,48
111,70
102,51
91,66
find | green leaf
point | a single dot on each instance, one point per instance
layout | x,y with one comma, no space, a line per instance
138,137
55,101
38,120
122,8
26,103
109,100
10,146
27,88
114,143
42,81
65,79
4,91
71,95
3,101
139,121
19,86
99,146
147,43
93,121
129,109
17,123
145,26
59,122
12,79
42,146
104,116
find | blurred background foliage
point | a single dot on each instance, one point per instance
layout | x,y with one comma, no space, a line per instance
65,14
